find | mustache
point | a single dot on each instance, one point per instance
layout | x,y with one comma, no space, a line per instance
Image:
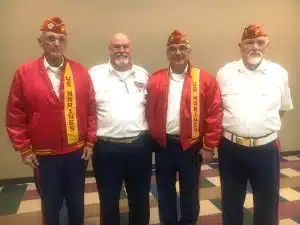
121,55
55,49
177,58
255,53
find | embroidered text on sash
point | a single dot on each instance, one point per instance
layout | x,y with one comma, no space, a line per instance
70,106
195,102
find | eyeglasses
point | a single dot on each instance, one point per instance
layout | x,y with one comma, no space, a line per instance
181,48
117,47
260,43
52,39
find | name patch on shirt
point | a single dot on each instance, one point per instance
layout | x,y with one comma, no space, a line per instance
140,87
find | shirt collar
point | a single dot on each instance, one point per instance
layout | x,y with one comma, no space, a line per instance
242,69
47,66
175,76
112,70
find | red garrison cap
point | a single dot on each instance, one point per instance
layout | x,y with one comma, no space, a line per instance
54,24
177,37
254,31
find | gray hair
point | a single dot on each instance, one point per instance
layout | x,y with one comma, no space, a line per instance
42,34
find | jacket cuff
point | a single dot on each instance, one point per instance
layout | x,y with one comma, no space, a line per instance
209,149
89,144
26,152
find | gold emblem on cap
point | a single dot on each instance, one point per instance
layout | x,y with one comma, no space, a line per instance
50,26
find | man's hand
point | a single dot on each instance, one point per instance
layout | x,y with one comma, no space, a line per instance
31,160
207,156
87,153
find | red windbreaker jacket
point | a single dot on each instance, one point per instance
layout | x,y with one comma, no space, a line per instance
211,109
40,122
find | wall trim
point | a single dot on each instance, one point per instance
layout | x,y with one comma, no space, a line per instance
89,173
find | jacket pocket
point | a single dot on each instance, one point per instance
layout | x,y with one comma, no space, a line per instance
34,120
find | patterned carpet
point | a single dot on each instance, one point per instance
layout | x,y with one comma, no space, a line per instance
20,204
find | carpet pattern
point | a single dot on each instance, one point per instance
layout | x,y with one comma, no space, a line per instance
20,203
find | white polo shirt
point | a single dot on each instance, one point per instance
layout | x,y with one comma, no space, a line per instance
174,100
54,74
252,99
120,100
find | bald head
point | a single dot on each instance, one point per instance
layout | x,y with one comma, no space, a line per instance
119,37
120,52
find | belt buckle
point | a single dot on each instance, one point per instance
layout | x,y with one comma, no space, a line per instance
122,140
243,141
128,140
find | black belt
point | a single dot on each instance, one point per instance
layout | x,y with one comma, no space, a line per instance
173,137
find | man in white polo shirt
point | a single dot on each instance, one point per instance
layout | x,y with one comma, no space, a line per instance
255,94
122,152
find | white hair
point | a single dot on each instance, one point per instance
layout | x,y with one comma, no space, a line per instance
42,34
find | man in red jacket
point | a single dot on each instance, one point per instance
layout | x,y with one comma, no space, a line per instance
184,113
51,121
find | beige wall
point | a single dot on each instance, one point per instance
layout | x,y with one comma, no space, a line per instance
214,28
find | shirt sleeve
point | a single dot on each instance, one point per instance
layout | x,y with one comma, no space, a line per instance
286,99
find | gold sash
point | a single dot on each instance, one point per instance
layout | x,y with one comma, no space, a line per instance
195,102
70,106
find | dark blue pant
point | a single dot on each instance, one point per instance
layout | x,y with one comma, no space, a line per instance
63,215
260,165
62,177
114,163
187,163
